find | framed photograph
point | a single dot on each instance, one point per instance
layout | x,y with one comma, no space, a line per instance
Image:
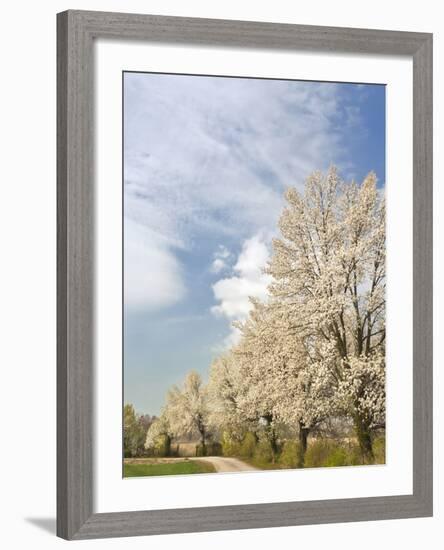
244,275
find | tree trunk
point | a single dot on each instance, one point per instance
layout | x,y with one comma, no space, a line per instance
364,439
167,445
203,442
303,440
274,447
271,437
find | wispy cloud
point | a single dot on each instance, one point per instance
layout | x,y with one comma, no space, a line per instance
152,277
221,259
209,158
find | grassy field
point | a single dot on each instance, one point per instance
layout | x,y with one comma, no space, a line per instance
168,469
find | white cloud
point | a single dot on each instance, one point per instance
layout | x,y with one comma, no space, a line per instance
222,252
152,273
231,148
232,338
221,259
253,258
218,265
248,280
209,158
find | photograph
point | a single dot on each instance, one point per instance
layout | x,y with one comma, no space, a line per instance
222,230
254,274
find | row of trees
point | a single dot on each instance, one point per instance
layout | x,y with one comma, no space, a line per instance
311,358
135,428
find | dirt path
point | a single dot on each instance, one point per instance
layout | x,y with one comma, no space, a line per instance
226,464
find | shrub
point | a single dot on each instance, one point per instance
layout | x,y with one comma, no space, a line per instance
201,450
317,453
212,448
248,445
290,454
216,448
230,446
354,454
263,452
162,446
326,452
379,449
337,457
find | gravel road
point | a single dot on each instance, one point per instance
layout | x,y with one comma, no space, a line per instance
226,464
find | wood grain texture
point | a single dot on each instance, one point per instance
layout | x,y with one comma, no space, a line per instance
219,32
75,271
254,516
423,273
74,276
62,291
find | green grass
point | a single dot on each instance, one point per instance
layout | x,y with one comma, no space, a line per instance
172,468
262,464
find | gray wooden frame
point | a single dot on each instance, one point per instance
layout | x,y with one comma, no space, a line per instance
76,31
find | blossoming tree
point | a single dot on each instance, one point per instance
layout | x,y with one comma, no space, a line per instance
188,408
312,354
328,271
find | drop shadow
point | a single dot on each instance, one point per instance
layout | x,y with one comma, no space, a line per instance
45,524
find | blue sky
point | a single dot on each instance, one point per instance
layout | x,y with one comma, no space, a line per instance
206,163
